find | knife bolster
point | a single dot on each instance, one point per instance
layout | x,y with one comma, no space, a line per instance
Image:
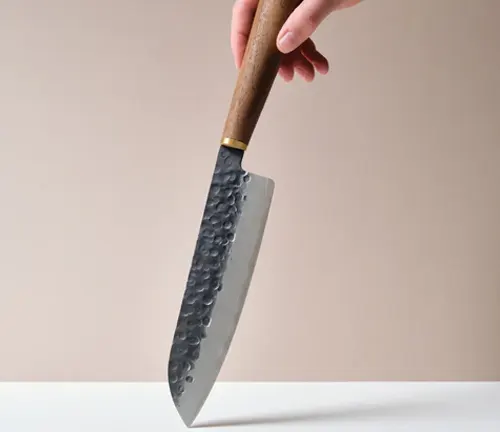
233,143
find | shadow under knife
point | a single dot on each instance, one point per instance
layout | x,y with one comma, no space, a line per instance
355,413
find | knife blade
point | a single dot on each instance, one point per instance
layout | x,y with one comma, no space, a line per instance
231,229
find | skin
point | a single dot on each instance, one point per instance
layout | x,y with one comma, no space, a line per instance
294,39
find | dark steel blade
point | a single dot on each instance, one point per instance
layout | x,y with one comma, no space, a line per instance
226,251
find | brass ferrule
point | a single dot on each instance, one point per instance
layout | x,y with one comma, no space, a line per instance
233,143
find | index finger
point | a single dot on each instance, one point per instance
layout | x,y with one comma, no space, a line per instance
242,19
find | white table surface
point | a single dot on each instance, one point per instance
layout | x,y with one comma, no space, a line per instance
262,407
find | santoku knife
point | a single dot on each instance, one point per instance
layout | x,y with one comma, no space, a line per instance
231,229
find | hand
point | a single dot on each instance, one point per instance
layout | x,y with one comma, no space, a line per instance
294,39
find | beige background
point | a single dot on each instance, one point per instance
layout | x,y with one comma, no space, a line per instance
381,255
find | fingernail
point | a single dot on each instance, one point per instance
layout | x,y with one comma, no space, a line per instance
287,43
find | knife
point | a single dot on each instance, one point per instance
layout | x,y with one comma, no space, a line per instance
232,227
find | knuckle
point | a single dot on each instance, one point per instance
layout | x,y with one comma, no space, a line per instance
310,22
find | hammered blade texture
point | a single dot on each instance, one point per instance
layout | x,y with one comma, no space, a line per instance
217,233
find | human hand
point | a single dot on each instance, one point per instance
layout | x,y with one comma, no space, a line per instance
294,39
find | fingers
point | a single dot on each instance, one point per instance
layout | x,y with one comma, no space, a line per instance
305,60
303,66
318,60
302,23
293,40
241,24
287,69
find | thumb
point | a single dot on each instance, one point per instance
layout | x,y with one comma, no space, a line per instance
303,22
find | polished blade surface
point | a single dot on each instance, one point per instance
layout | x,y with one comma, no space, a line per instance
229,240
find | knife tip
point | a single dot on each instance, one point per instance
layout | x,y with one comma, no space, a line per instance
188,419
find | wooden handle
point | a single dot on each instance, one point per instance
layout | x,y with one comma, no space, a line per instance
259,69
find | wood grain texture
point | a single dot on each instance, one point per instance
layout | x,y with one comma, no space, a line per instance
259,69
